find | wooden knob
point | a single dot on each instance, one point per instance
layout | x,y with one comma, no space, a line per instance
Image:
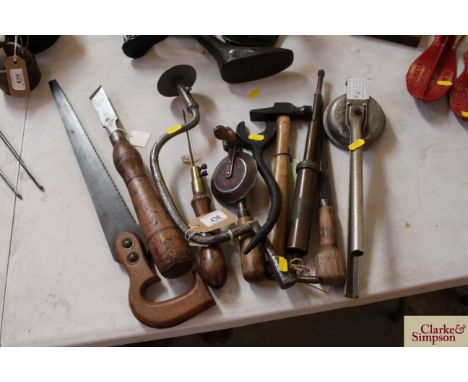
253,262
165,242
213,268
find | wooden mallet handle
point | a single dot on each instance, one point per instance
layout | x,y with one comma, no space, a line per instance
166,244
163,314
329,261
277,235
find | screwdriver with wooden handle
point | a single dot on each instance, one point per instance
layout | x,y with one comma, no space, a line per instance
166,244
212,268
329,261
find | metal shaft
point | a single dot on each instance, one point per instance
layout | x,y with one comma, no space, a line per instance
10,185
304,192
21,162
355,223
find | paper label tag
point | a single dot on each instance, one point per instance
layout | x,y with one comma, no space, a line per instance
139,138
213,220
356,88
17,79
17,76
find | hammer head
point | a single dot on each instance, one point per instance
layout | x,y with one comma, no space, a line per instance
281,108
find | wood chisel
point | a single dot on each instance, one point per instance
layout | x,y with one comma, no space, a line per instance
166,244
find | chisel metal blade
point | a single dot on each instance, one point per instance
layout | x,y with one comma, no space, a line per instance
107,115
112,211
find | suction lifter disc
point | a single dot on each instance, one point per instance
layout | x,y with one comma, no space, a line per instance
337,129
167,84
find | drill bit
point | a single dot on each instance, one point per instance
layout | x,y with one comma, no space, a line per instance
21,162
10,185
188,140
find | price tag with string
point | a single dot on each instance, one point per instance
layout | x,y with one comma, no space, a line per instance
17,74
212,221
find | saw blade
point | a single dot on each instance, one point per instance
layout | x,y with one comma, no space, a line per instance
112,211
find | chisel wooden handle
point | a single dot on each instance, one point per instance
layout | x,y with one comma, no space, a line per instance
277,235
253,262
329,262
166,244
213,269
161,314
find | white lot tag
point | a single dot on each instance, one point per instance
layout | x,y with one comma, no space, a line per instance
356,88
139,138
213,220
17,79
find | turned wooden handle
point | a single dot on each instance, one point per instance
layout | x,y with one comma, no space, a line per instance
329,261
166,244
213,269
253,262
277,235
163,314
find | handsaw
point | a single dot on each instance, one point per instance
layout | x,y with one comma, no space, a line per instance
459,92
432,74
123,234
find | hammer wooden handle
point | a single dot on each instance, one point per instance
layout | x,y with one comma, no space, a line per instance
166,244
213,269
329,261
253,262
277,235
163,314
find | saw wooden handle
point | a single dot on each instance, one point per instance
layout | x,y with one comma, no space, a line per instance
329,261
166,244
253,262
277,235
162,314
213,269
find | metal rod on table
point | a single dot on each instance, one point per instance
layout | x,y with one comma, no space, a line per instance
10,185
21,162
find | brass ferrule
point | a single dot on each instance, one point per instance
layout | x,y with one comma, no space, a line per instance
198,186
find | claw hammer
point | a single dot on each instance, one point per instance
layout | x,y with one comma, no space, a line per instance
282,113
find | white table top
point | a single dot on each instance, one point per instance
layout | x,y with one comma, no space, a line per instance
63,287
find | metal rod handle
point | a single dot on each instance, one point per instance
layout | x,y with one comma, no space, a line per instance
356,115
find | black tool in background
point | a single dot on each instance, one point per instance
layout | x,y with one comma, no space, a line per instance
136,46
254,40
412,41
236,63
35,43
242,64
